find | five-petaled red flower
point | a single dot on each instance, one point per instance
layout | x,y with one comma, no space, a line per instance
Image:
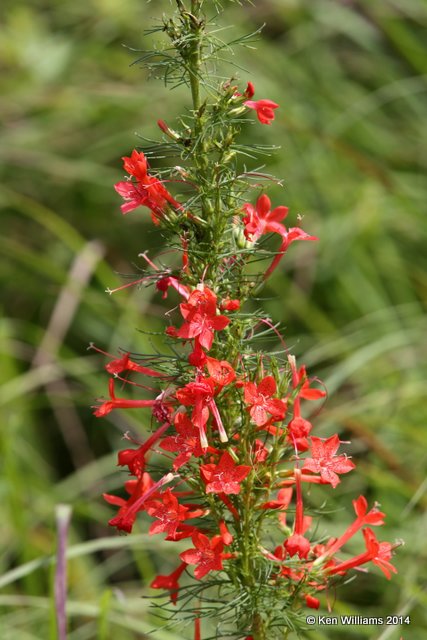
170,582
117,366
140,491
200,395
126,516
186,440
373,517
201,319
224,477
168,511
264,109
377,552
260,401
147,191
207,554
119,403
325,462
260,220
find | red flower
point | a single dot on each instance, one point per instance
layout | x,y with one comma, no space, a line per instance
282,502
226,536
230,305
312,602
134,459
260,401
168,511
377,552
298,430
186,441
300,376
261,220
119,403
264,109
170,582
164,283
298,427
325,462
147,191
250,90
117,366
224,477
200,394
374,517
140,490
201,319
297,544
136,165
220,371
260,452
381,553
207,554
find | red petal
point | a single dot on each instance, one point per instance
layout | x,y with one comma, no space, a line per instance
267,386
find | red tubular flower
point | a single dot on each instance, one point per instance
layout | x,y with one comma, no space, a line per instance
201,319
312,602
136,165
186,441
200,394
264,109
306,391
299,379
260,220
230,305
298,427
141,490
134,459
125,517
297,543
168,511
147,191
250,90
224,477
164,283
126,364
260,402
119,403
289,236
284,497
382,552
226,536
170,582
220,371
197,629
377,552
325,462
207,554
374,517
260,452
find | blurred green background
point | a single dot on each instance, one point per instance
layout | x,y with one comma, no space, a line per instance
350,78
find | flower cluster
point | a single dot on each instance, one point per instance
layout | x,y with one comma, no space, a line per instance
233,442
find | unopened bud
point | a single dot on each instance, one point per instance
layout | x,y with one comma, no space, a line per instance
166,129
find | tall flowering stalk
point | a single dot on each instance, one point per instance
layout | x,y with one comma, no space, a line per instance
236,449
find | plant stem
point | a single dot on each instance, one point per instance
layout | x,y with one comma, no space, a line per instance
258,627
195,59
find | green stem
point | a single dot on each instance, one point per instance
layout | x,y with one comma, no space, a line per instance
258,627
195,58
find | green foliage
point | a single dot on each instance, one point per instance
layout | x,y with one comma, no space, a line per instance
350,79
